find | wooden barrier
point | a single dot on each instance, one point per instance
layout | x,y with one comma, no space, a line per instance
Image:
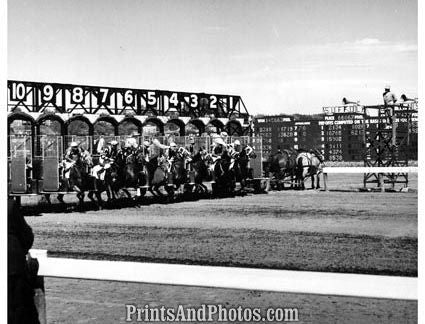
377,170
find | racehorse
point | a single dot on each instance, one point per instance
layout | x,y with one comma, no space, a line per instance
177,174
105,181
200,163
131,175
75,178
158,168
240,167
309,164
283,164
224,176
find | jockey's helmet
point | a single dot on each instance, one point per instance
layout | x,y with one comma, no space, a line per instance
114,142
223,134
173,145
236,142
191,140
73,144
219,141
146,143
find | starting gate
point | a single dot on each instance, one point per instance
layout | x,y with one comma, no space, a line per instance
51,153
21,165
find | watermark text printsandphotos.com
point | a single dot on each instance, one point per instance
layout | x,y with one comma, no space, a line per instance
209,313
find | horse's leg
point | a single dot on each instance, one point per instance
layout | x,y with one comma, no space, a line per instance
150,189
99,199
90,195
60,198
312,181
47,196
318,180
126,192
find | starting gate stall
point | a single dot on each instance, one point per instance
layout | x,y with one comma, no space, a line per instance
100,143
198,142
179,140
51,156
21,177
85,142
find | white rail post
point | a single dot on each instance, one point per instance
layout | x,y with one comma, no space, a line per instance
325,180
381,181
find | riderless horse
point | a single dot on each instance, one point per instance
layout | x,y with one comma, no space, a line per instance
283,164
309,164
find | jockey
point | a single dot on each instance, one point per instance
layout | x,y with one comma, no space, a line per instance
131,142
73,153
112,152
171,151
73,156
145,147
247,148
192,145
219,148
224,136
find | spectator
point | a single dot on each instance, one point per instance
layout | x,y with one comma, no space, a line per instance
21,274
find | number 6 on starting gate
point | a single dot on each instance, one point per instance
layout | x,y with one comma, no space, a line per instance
128,98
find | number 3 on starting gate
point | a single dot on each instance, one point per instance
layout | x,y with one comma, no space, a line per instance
193,100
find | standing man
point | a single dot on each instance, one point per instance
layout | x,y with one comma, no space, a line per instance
389,101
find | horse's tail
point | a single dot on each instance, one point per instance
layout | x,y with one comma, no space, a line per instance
300,165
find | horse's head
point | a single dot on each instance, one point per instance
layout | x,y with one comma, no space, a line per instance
164,163
208,159
318,154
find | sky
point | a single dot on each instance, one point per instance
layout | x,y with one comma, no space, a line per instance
281,56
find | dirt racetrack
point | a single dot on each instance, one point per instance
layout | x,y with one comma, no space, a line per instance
338,231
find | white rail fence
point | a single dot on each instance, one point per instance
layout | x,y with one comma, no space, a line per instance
381,171
302,282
